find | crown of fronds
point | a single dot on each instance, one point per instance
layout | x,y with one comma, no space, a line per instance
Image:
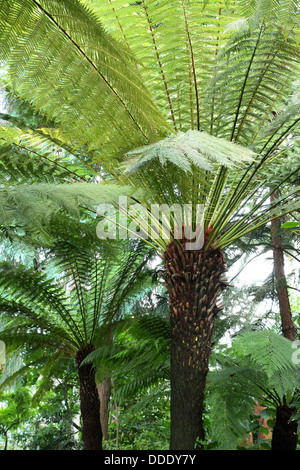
230,74
78,305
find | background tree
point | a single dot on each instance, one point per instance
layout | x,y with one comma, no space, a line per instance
52,422
74,317
15,413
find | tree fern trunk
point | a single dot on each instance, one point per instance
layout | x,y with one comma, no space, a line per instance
285,434
104,389
89,403
194,282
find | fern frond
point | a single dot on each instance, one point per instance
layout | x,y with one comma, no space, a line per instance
33,205
191,150
59,46
230,401
244,92
37,153
285,13
40,298
175,45
268,350
285,382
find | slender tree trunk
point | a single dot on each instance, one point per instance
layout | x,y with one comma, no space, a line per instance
284,435
104,389
6,441
89,403
287,325
194,282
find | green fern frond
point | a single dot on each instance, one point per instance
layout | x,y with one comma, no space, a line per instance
244,90
230,401
285,382
154,395
191,150
175,45
285,13
33,205
268,350
43,301
150,328
32,153
98,95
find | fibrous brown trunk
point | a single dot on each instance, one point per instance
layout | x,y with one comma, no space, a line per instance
104,389
194,281
89,403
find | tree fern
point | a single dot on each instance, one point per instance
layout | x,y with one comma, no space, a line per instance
258,367
239,59
39,311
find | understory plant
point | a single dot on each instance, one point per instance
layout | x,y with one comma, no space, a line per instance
257,370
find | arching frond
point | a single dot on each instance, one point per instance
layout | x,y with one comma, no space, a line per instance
254,78
60,47
175,45
30,155
33,205
191,150
43,303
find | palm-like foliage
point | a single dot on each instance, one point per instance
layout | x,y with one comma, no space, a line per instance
229,90
227,82
71,314
71,43
143,341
